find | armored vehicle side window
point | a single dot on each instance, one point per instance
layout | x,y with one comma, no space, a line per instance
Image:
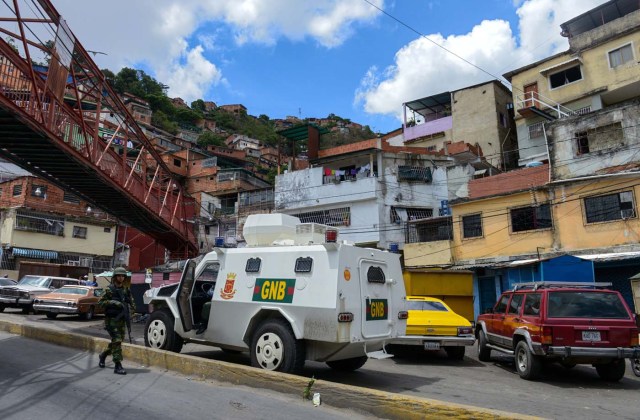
303,265
375,275
253,265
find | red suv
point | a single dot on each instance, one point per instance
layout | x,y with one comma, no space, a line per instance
566,322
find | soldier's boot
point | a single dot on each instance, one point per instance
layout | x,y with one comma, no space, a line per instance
119,369
102,357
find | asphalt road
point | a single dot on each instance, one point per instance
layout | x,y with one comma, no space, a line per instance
44,381
577,393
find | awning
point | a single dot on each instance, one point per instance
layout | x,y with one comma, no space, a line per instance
567,63
34,253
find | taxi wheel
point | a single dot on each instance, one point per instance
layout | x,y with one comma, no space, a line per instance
528,365
455,352
159,332
484,352
613,371
51,315
274,347
348,365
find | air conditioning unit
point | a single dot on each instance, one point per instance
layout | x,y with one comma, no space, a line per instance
73,263
627,213
86,261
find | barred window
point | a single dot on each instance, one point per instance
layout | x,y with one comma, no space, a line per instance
439,229
331,217
609,207
414,173
472,226
375,275
79,232
530,218
253,265
304,265
403,214
17,190
34,222
535,130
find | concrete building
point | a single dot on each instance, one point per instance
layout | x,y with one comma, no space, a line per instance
599,70
480,115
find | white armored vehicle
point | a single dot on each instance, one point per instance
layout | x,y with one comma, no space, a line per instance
293,294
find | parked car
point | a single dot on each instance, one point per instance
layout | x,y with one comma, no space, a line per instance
7,282
70,300
566,322
22,294
440,326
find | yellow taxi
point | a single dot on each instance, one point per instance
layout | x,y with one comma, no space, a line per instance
438,326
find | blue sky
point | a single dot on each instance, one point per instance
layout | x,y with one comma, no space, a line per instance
309,59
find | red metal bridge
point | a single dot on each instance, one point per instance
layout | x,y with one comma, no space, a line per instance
63,122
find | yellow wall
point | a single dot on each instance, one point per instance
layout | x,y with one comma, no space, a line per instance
453,287
497,239
427,253
573,233
98,241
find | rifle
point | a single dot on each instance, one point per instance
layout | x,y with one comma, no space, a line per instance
125,311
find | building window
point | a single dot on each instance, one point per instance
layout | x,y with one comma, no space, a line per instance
609,207
439,229
70,198
503,119
34,222
177,162
39,191
566,76
414,173
530,218
331,217
536,130
17,190
472,226
107,230
608,136
620,56
79,232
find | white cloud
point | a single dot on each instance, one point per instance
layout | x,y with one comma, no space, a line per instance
422,68
159,35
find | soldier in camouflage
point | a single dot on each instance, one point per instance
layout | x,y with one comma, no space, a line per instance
114,301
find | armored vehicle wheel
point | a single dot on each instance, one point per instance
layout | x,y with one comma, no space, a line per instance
484,352
274,347
527,364
159,332
88,316
455,352
51,315
613,371
347,365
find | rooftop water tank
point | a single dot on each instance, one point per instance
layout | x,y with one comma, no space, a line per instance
264,229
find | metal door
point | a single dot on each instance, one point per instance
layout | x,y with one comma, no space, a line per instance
184,295
376,299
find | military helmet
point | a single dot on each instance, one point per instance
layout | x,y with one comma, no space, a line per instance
120,271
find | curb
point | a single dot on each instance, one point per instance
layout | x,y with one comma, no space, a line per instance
379,403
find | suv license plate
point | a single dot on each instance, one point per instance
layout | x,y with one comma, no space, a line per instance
590,335
431,345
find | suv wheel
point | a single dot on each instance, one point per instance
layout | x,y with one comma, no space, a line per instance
484,352
527,364
611,372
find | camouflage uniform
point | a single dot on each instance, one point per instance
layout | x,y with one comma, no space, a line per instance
112,301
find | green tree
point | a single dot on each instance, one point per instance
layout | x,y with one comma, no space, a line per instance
209,138
198,105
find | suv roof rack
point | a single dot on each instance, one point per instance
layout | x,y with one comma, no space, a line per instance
535,285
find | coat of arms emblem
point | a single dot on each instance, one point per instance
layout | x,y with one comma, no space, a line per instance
228,291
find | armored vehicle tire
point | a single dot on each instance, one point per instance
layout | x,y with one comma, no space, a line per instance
455,352
528,365
274,347
88,316
51,315
159,332
484,352
347,365
613,371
